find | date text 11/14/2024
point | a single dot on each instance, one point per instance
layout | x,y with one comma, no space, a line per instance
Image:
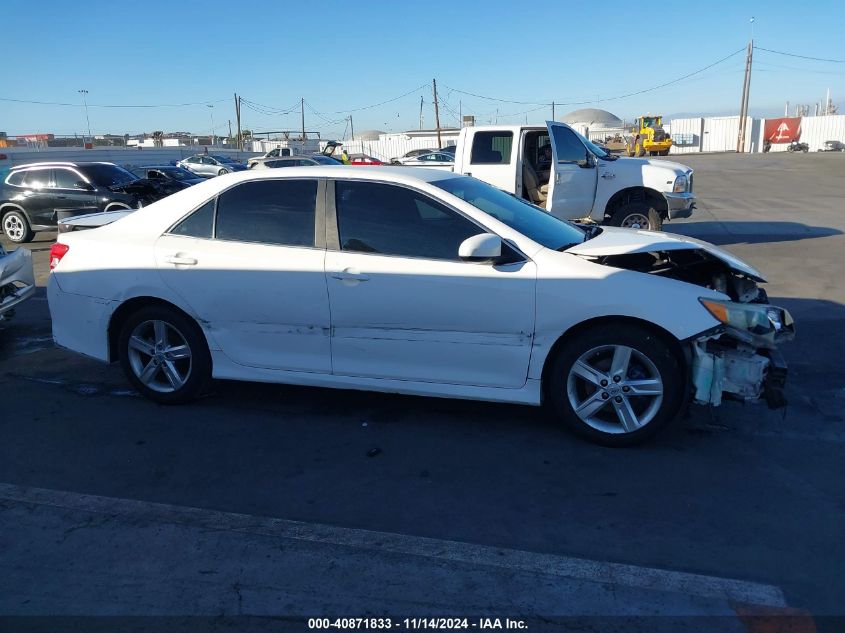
374,623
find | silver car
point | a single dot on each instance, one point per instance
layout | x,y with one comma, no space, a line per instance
209,165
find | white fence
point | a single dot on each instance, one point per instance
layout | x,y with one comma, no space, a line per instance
395,146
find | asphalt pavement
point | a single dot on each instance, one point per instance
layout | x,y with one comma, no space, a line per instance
268,500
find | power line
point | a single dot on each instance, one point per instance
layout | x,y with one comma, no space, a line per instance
563,102
381,103
113,105
815,59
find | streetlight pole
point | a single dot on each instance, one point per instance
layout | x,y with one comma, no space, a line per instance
208,105
87,120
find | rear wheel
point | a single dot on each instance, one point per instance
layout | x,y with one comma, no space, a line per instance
164,355
637,215
16,227
616,384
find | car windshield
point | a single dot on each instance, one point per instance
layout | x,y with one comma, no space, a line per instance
177,173
105,175
521,216
223,159
326,160
595,149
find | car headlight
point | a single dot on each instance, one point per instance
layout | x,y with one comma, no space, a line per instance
757,318
680,185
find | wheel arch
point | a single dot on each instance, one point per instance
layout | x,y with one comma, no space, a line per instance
130,306
636,194
6,207
673,343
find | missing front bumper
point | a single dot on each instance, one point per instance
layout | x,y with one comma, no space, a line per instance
722,369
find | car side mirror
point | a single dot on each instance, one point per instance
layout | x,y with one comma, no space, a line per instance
484,247
81,184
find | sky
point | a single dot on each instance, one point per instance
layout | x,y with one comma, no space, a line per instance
345,57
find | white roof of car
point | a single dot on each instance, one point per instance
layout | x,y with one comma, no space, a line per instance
408,175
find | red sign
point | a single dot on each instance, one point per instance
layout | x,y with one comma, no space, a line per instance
783,130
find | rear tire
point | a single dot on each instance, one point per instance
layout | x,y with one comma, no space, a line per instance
16,227
613,414
164,355
637,215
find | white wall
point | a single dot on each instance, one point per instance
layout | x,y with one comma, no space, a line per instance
396,145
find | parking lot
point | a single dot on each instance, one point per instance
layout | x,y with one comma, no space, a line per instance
264,499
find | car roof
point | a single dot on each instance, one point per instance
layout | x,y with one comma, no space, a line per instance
406,175
61,164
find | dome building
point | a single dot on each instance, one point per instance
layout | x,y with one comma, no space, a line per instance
592,117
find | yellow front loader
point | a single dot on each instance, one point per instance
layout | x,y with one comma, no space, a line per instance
649,137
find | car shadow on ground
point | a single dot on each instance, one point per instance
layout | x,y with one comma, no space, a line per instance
724,233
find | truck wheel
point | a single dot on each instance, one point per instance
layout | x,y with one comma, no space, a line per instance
639,150
637,215
665,152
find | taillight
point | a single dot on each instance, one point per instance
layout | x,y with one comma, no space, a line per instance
57,251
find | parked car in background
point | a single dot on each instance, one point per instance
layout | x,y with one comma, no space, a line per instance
364,159
833,146
35,197
17,280
273,153
177,177
294,161
412,154
209,165
434,160
419,282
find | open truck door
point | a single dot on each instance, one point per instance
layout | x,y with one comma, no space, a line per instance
573,177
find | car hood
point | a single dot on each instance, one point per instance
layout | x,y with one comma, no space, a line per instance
619,241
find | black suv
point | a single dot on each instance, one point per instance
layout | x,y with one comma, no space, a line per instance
35,197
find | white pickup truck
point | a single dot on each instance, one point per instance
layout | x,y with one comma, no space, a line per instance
558,169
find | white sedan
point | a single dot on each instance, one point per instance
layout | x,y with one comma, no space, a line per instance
434,160
415,282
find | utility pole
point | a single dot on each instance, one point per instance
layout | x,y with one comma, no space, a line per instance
302,111
230,130
87,120
436,113
421,111
351,127
553,110
743,110
212,123
238,119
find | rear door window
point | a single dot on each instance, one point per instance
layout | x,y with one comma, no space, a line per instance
37,178
281,212
66,179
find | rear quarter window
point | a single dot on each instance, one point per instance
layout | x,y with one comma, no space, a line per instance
491,148
16,178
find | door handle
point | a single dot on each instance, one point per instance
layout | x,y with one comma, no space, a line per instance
181,260
350,274
467,173
608,175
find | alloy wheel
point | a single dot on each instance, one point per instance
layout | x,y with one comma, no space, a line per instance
615,389
13,227
635,221
159,356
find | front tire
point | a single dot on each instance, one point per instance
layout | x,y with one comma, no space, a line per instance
222,171
637,215
616,384
165,355
16,227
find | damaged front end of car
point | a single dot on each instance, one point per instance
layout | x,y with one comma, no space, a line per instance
738,359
